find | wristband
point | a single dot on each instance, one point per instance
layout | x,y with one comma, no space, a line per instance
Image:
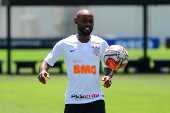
108,72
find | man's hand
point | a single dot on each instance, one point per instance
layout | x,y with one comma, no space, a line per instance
43,77
107,81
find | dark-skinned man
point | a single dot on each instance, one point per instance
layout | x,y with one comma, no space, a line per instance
82,54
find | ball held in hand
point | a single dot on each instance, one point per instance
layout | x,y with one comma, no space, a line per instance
115,57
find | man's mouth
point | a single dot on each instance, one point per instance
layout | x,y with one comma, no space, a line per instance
87,28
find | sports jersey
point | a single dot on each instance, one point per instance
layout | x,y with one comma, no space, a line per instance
82,61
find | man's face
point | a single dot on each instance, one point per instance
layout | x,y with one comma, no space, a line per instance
85,24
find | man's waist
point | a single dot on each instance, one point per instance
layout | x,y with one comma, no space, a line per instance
83,98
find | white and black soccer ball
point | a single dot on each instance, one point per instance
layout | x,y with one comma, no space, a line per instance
115,57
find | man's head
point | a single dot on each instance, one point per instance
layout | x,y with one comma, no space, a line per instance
84,21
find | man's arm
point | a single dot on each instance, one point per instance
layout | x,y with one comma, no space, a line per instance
107,71
108,77
43,72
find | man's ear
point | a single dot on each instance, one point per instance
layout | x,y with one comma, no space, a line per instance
75,20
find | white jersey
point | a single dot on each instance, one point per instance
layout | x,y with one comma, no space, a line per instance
82,61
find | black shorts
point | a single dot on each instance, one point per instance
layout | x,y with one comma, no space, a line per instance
93,107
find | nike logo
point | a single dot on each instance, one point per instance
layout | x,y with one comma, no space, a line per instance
73,50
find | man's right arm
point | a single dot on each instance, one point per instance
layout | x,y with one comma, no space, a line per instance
50,60
43,75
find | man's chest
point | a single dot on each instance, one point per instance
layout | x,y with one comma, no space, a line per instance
89,51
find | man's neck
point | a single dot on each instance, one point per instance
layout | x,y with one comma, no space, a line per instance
83,39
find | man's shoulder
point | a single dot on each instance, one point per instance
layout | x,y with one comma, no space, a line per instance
69,38
96,38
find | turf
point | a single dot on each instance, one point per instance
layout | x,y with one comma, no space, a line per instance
128,94
39,55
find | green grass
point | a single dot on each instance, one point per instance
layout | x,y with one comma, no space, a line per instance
128,94
161,53
23,54
39,55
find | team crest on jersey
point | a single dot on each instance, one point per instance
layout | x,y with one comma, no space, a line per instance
96,49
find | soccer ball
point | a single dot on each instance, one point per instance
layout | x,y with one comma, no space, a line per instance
115,57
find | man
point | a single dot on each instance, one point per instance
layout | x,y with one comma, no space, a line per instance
82,54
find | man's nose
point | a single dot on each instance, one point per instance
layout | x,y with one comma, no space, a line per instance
88,23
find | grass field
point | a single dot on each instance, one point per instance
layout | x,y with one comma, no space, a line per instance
128,94
39,54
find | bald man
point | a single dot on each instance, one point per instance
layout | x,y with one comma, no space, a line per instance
82,54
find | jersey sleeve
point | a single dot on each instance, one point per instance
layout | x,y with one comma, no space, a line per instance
104,46
55,53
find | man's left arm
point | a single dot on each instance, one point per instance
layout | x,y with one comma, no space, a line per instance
107,78
108,73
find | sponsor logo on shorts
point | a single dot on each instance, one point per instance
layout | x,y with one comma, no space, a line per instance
84,69
88,96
